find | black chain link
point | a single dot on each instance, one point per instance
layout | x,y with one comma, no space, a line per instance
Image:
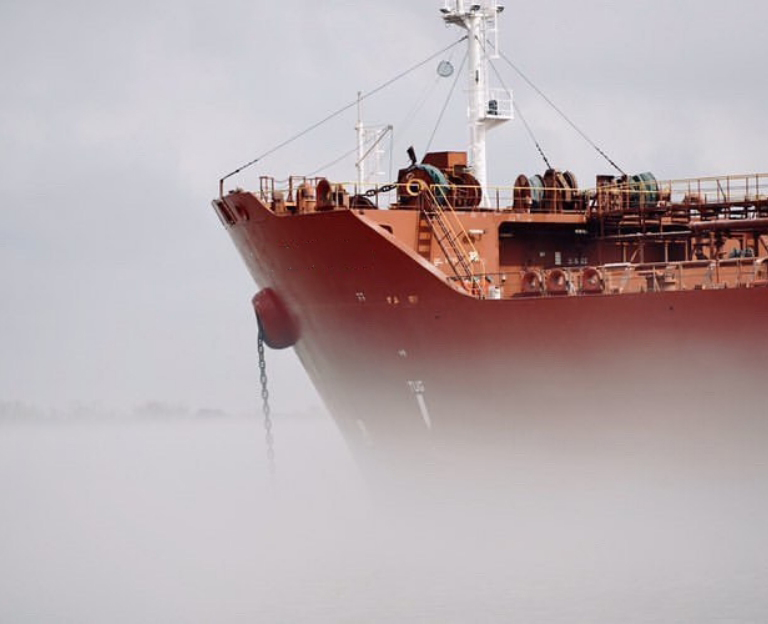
265,403
383,189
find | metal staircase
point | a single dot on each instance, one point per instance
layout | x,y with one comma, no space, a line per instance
460,254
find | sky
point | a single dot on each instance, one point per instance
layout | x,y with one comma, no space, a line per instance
118,285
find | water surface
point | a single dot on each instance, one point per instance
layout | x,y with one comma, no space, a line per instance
177,520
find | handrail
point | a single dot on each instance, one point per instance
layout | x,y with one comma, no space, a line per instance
726,190
686,193
452,238
626,278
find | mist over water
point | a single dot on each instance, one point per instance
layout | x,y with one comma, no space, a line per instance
177,520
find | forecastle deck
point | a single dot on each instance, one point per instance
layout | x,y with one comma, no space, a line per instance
625,236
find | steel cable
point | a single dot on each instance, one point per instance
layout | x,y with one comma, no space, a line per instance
335,114
562,114
445,105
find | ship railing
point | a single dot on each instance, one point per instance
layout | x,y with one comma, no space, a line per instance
454,241
689,275
721,197
724,197
463,197
733,197
294,187
304,195
499,105
622,278
270,188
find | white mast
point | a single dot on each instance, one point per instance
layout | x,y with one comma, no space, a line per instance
487,108
369,141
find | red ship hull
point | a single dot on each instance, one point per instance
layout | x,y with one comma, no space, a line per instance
404,359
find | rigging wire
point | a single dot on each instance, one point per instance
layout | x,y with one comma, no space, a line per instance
445,105
333,162
411,115
381,135
326,119
530,134
414,111
386,130
522,117
422,100
562,114
404,124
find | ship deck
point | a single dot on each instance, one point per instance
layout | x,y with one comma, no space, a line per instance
621,237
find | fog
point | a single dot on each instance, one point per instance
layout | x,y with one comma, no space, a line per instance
134,484
177,519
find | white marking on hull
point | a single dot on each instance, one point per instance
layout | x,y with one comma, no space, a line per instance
417,387
424,411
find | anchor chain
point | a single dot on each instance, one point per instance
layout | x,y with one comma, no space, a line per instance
382,189
265,403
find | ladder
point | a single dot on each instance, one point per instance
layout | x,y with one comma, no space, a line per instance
449,238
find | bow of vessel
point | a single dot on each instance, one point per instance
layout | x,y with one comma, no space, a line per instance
437,307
